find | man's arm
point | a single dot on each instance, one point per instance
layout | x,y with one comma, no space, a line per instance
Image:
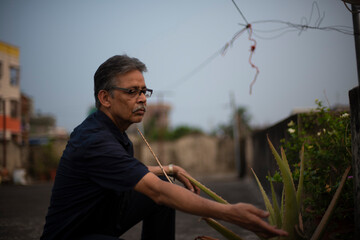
178,173
172,195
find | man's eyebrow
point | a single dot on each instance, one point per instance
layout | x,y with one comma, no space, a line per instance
137,87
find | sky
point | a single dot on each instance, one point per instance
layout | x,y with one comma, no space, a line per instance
62,43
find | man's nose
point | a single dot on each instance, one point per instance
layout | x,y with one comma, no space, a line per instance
141,97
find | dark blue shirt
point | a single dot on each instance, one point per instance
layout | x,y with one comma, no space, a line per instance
96,167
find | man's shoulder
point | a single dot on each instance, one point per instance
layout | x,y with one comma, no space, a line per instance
92,129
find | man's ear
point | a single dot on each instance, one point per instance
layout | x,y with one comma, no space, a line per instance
104,98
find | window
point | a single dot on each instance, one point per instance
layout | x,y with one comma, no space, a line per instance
14,109
14,76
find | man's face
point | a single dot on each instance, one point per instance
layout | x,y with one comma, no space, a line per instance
126,108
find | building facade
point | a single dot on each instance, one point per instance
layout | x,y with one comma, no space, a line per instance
10,108
159,113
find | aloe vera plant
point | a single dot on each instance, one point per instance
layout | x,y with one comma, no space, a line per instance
288,215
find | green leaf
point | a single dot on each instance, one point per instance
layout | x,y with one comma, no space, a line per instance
291,216
206,190
269,207
277,212
300,227
228,234
283,156
282,203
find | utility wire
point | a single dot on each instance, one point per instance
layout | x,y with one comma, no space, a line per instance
247,23
300,28
289,27
222,51
198,68
305,24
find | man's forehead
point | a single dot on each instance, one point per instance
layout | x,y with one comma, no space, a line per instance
131,79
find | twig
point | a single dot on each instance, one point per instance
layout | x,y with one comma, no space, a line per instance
157,160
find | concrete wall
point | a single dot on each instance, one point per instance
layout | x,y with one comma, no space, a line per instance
198,154
41,162
14,157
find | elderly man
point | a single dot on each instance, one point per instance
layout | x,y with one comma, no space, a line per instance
101,190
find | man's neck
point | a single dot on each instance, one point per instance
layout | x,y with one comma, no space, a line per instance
122,126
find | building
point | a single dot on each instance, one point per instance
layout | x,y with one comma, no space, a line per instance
26,112
156,118
10,96
10,104
157,115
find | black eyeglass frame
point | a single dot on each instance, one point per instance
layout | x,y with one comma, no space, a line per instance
147,91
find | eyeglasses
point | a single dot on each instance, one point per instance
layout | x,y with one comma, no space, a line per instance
135,91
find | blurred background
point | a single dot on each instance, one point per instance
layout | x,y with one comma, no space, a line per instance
225,75
304,51
208,61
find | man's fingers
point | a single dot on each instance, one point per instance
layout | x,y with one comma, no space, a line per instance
273,233
258,212
256,224
197,190
185,181
181,177
268,230
189,186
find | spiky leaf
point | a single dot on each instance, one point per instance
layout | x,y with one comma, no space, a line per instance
228,234
269,207
277,212
286,164
291,216
206,190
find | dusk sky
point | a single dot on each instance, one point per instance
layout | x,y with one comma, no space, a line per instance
62,43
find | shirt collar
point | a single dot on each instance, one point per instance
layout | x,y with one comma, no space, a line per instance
121,136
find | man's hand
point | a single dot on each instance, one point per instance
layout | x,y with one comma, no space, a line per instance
179,174
250,217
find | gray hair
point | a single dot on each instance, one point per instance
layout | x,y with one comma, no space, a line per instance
104,77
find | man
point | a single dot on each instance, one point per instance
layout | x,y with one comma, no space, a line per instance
101,190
